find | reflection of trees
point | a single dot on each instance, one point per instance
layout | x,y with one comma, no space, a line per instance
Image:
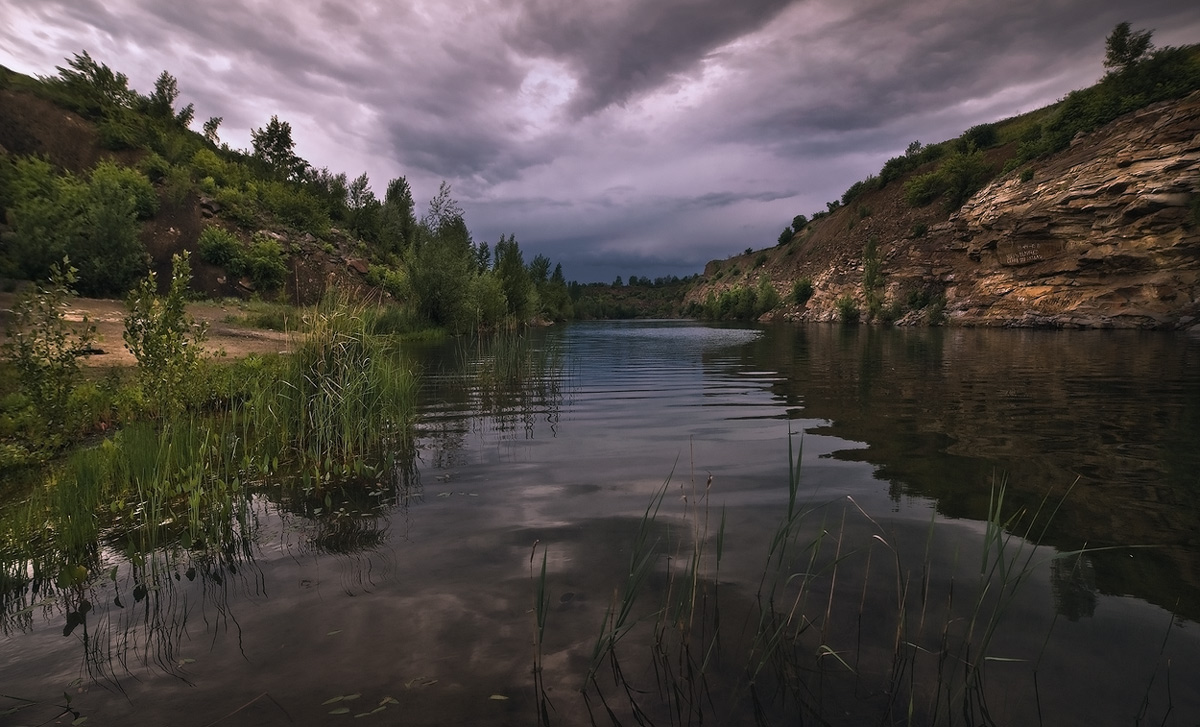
949,412
503,385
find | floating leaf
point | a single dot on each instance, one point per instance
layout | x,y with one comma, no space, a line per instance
356,695
186,661
498,697
79,720
332,700
331,633
340,710
445,494
388,700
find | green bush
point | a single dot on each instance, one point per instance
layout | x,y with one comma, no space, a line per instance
958,177
219,247
802,290
165,341
847,309
265,263
44,349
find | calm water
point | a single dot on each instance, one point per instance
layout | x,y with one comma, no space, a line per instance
420,597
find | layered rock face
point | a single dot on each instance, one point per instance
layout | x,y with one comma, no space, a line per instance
1103,235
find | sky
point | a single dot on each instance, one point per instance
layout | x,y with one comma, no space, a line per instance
616,137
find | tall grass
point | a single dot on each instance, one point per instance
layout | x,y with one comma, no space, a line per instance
833,633
340,400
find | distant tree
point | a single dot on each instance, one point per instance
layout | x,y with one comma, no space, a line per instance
799,222
514,277
539,269
161,103
210,130
483,257
786,236
398,221
1125,47
364,208
618,282
273,145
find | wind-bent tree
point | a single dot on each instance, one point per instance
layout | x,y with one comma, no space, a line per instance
1124,47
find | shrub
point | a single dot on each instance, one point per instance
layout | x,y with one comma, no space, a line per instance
44,349
1026,175
265,263
766,297
847,309
981,136
760,260
918,229
219,247
786,236
165,340
802,290
955,180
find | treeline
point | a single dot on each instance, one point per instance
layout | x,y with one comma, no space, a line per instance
641,297
92,217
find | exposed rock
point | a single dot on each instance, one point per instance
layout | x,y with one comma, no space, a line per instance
1104,235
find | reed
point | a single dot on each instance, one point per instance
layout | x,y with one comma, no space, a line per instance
341,399
813,642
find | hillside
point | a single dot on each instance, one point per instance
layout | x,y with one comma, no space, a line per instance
1104,232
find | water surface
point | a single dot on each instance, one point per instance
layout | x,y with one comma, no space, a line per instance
420,597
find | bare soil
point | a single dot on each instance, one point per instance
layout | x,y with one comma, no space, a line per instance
236,341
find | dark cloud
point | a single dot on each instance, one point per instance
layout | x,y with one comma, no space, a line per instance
621,49
608,134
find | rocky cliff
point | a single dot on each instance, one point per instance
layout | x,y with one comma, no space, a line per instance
1103,234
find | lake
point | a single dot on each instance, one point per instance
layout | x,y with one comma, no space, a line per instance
668,522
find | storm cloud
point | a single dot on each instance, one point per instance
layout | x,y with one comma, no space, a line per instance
618,137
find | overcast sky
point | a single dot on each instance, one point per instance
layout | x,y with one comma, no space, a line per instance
618,137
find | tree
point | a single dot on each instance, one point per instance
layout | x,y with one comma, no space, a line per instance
364,209
398,221
92,88
786,236
514,276
274,146
799,222
1125,47
210,130
539,269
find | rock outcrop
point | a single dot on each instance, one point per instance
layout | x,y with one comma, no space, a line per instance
1103,234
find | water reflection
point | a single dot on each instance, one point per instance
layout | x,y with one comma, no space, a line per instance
949,413
418,586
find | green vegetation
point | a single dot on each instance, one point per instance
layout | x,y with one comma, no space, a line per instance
739,303
44,350
165,341
92,220
847,309
802,290
267,201
872,278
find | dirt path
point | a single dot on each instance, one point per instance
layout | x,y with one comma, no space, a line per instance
109,318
